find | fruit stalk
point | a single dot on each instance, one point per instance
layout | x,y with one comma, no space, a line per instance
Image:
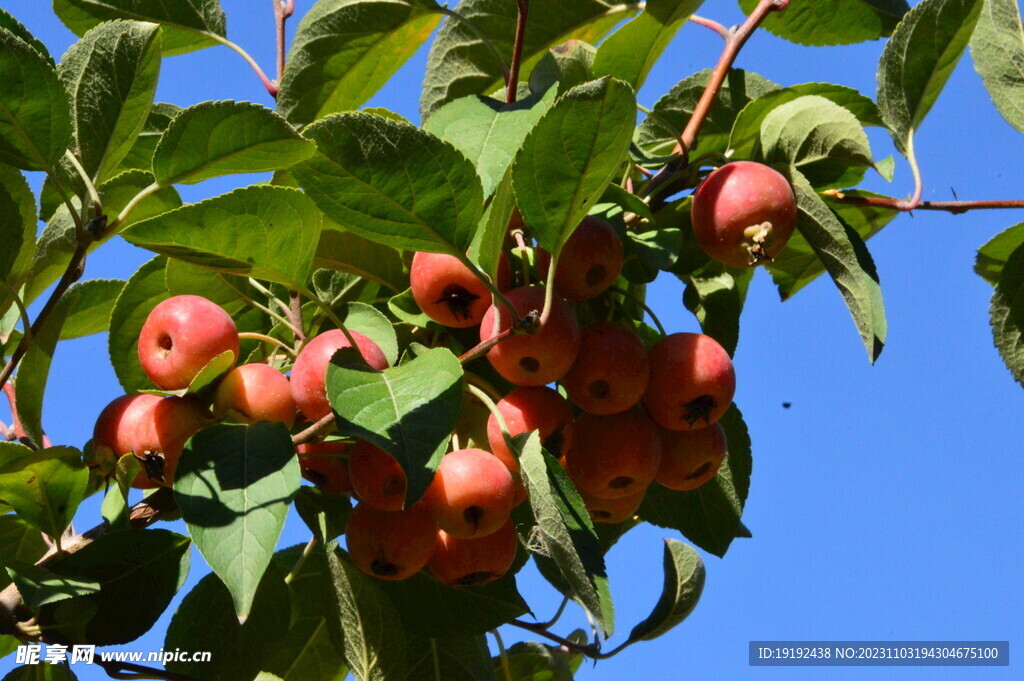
517,51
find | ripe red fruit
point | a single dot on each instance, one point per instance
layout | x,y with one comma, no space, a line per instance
391,545
310,369
471,495
692,382
377,477
533,359
614,456
448,292
180,337
744,213
691,458
613,511
469,562
114,433
160,436
252,393
329,473
526,410
592,261
611,372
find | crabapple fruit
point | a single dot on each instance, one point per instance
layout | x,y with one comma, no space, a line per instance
743,213
538,358
472,494
611,371
692,382
614,456
469,562
593,263
448,292
391,545
310,369
114,433
691,458
254,392
329,473
377,477
613,511
180,337
160,436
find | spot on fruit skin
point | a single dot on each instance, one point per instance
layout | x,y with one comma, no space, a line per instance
384,568
621,482
698,409
458,300
599,390
475,578
473,515
531,364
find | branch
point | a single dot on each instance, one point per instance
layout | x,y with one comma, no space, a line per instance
955,207
267,83
713,25
315,431
127,670
282,10
517,51
295,317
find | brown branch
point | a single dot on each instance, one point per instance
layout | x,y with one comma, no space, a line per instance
955,207
483,347
517,51
315,431
294,314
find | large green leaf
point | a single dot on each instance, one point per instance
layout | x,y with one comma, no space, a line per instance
997,48
460,63
709,516
17,226
684,582
45,488
347,252
488,131
225,138
463,658
393,183
90,305
11,24
138,573
408,411
35,118
919,59
1007,314
993,255
19,542
234,485
187,24
836,22
145,290
844,255
565,530
715,295
564,67
140,156
110,76
38,586
532,661
630,53
269,233
571,155
345,50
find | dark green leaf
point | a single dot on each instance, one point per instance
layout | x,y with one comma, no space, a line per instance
225,138
234,485
19,542
140,156
918,61
17,228
346,252
684,582
43,671
993,255
324,514
1007,314
490,237
392,183
372,323
566,65
34,371
11,24
408,411
38,586
145,290
997,48
115,508
840,22
345,50
13,457
187,24
532,661
571,155
45,488
404,307
464,658
715,295
223,289
90,306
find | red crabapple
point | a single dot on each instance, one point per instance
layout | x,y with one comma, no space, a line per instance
591,262
470,562
692,382
391,545
611,372
448,292
613,511
252,393
471,495
160,436
377,477
329,473
310,370
691,458
614,456
114,433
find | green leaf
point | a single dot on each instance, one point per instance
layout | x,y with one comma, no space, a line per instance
463,658
90,307
375,646
38,586
19,542
145,290
115,508
17,227
110,76
238,652
1007,314
993,255
460,63
715,295
35,119
747,128
34,370
660,131
13,456
326,515
997,48
408,411
709,516
345,50
798,264
532,661
234,485
486,248
821,139
225,138
565,531
630,53
346,252
140,156
187,24
373,324
571,155
45,488
844,255
684,582
44,671
269,233
918,61
11,24
307,652
488,131
392,183
566,65
138,572
840,22
404,308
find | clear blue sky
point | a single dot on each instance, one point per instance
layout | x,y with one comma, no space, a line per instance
885,504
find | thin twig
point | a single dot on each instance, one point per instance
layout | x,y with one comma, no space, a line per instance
483,347
267,82
295,316
290,577
315,431
517,51
712,24
130,671
282,10
955,207
506,668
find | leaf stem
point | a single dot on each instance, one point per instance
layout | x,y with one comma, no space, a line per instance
524,263
114,226
517,51
267,83
259,306
252,335
915,168
549,291
89,186
290,577
483,38
641,303
558,615
506,668
711,24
